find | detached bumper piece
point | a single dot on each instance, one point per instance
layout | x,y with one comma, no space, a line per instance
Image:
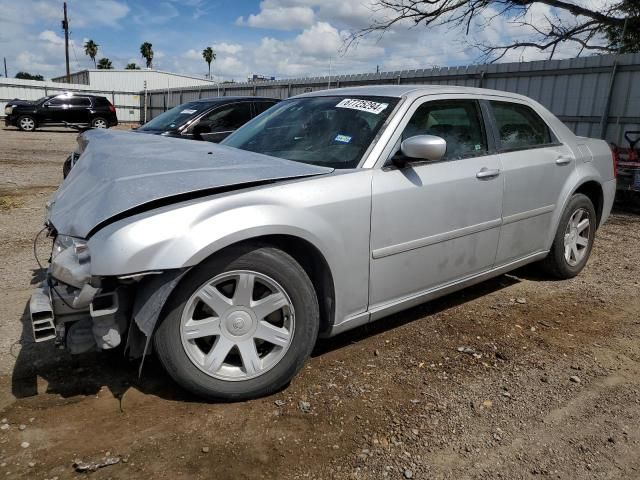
83,319
41,313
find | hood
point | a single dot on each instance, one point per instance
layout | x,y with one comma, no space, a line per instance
16,102
120,172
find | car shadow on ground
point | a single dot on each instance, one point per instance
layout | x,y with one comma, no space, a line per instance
42,367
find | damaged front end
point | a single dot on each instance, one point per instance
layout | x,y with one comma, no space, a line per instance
84,313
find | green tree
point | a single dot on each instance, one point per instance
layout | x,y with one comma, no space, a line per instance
105,64
631,43
132,66
146,51
91,49
28,76
209,56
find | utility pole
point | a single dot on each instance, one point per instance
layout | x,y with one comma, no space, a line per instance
5,67
65,27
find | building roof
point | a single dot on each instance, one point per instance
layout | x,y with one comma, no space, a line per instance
124,70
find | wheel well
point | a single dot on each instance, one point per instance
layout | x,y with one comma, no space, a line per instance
593,190
313,263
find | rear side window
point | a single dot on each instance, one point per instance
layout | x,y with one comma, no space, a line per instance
79,102
101,101
262,106
519,126
457,121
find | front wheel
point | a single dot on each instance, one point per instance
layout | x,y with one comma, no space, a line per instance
240,325
27,123
574,239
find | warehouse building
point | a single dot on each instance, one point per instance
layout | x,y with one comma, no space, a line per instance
132,80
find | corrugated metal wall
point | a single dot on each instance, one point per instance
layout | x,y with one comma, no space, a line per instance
133,80
582,92
127,103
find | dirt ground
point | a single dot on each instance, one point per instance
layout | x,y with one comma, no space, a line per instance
547,387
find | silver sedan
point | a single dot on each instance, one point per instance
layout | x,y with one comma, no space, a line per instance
328,211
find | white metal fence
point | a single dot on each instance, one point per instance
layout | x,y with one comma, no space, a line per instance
127,103
595,96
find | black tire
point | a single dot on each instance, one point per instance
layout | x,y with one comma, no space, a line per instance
265,260
25,120
555,263
98,122
66,167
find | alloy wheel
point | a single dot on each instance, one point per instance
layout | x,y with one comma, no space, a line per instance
99,123
238,325
576,237
27,124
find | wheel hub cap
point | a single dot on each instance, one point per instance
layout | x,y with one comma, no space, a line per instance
238,325
576,237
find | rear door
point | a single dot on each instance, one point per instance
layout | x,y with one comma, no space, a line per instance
79,110
535,168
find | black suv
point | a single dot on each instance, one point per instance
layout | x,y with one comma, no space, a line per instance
210,119
61,110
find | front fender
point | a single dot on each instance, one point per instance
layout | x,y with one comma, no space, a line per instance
332,213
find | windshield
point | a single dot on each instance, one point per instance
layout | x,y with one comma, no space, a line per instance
328,131
176,117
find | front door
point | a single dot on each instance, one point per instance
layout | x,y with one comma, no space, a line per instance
434,223
223,121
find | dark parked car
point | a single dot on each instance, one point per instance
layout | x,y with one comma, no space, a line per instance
61,110
210,119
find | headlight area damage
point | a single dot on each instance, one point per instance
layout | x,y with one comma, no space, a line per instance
85,313
120,175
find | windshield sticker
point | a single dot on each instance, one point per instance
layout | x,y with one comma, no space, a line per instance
363,105
188,111
342,138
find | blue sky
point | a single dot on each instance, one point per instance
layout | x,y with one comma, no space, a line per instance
283,38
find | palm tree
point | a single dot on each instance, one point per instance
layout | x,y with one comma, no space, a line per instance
91,49
209,55
147,53
104,64
132,66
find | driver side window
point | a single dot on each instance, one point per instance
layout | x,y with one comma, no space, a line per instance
458,122
229,117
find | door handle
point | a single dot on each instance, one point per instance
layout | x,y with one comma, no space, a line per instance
563,160
486,173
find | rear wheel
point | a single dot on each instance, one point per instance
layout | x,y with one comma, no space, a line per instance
27,123
99,122
240,325
574,239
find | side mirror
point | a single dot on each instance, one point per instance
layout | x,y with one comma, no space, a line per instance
422,147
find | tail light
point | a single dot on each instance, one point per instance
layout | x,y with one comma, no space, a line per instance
112,109
614,160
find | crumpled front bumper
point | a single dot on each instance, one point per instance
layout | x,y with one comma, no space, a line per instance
81,319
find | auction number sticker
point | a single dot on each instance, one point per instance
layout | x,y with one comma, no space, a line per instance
187,111
363,105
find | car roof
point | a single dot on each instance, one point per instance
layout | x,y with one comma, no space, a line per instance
231,99
410,91
74,94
